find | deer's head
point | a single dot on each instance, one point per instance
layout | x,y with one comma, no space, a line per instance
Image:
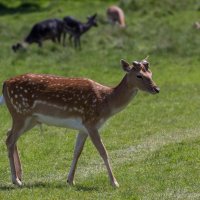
140,76
92,20
16,47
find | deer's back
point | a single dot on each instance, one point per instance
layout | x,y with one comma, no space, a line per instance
78,95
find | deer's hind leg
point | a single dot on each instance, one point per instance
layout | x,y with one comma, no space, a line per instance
18,128
80,141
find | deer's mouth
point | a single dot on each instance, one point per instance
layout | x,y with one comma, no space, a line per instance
155,90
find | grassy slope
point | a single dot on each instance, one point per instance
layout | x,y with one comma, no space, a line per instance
153,144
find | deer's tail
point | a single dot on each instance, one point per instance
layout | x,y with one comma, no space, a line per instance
2,100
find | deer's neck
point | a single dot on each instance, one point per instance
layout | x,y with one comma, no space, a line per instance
86,27
122,94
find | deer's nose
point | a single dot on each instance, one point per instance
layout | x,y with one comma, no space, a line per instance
157,89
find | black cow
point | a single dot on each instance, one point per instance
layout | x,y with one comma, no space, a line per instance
76,28
51,29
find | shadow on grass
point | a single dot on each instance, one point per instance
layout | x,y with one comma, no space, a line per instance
41,184
22,8
85,188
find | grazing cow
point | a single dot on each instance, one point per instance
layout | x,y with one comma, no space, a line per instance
116,16
76,28
48,29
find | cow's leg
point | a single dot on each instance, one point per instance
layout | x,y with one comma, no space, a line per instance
39,43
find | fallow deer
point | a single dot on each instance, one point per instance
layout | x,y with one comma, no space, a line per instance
77,103
115,15
197,25
76,28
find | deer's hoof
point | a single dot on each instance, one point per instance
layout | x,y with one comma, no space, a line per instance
70,182
17,182
115,184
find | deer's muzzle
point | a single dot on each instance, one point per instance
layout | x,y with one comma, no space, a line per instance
156,89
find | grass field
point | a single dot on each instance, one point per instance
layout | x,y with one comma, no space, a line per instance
154,144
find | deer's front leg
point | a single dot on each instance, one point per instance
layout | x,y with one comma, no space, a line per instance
95,137
64,37
79,43
75,42
80,141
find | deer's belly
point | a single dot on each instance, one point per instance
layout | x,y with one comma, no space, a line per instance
73,123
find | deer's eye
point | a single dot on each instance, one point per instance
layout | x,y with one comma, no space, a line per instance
139,76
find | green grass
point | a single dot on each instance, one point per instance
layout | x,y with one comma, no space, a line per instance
153,144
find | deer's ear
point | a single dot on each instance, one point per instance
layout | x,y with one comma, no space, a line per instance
146,64
94,16
125,65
